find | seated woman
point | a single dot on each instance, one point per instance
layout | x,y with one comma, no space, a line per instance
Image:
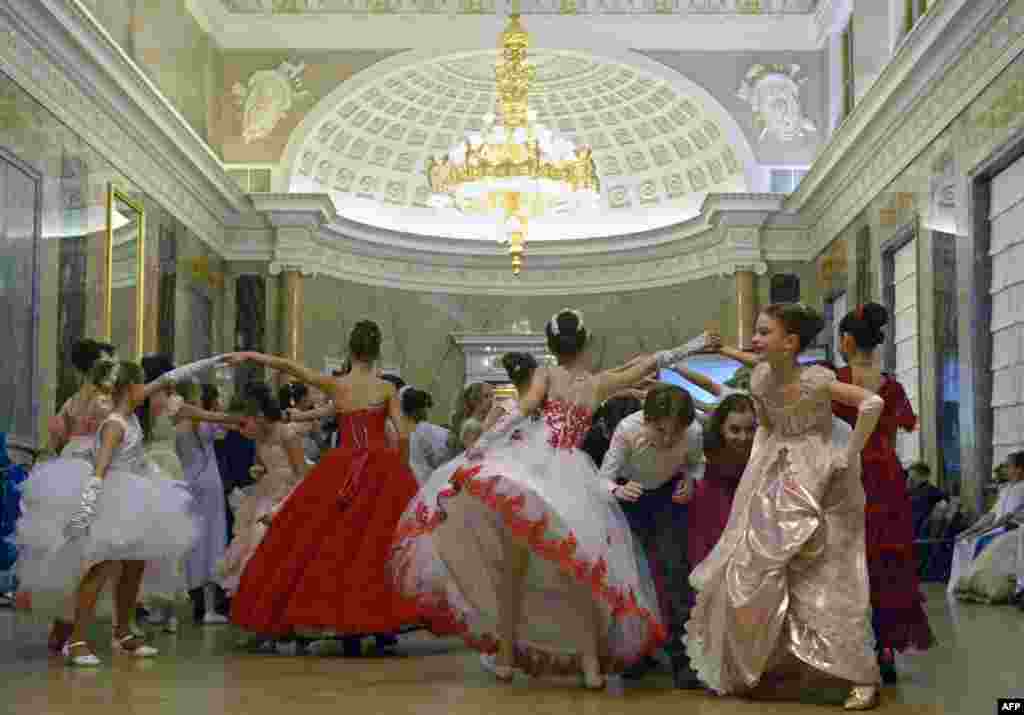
986,555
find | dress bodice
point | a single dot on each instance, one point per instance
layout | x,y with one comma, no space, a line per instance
130,455
85,413
567,423
810,414
360,429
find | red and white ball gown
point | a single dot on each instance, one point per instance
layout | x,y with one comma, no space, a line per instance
586,578
322,565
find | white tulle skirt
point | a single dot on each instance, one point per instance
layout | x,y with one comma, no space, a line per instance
586,580
139,518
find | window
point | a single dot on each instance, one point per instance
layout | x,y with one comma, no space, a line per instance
835,310
786,181
849,96
902,358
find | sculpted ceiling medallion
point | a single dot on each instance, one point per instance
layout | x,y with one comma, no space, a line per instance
524,7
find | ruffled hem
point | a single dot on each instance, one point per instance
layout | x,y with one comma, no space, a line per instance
444,618
708,671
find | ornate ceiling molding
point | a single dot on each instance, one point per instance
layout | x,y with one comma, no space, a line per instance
525,7
734,240
60,55
939,70
590,25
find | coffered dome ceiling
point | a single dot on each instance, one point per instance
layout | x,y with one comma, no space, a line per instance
660,142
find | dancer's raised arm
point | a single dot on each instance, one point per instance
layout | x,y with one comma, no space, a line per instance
185,372
612,381
324,411
740,356
191,412
300,372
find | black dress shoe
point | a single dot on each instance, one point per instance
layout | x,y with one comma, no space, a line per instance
385,643
684,677
639,669
352,646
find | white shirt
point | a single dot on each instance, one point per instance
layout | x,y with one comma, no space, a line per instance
634,457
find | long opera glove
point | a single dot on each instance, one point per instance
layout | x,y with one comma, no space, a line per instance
668,358
868,413
82,519
186,372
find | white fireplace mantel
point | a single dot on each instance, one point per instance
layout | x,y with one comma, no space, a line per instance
483,352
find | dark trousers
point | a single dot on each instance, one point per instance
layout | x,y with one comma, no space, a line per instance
659,525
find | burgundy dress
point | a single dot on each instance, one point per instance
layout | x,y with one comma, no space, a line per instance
896,600
712,502
322,565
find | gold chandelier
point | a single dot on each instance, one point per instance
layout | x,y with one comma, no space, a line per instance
515,168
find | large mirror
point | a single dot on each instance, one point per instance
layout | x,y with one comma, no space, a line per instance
126,275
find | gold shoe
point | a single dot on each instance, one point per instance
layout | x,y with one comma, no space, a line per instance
862,697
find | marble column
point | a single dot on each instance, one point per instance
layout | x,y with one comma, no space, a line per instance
746,307
151,306
292,314
742,258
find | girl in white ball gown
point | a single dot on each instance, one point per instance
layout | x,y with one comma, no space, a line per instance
520,548
92,521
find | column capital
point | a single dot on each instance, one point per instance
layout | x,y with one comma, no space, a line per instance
740,250
277,268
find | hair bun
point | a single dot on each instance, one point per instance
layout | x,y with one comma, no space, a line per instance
566,333
414,400
518,365
876,315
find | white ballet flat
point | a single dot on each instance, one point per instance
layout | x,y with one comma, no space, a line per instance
79,660
142,651
214,619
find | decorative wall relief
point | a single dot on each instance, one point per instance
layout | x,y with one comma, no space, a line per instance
267,97
945,186
773,93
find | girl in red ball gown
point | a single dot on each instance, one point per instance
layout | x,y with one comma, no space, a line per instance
899,619
322,566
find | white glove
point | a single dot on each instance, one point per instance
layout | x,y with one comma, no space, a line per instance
186,372
82,519
668,358
868,414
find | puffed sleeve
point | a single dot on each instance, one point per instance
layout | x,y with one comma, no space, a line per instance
898,413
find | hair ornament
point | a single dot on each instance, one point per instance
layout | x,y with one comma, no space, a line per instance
563,311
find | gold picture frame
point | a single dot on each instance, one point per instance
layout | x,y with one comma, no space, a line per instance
114,197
